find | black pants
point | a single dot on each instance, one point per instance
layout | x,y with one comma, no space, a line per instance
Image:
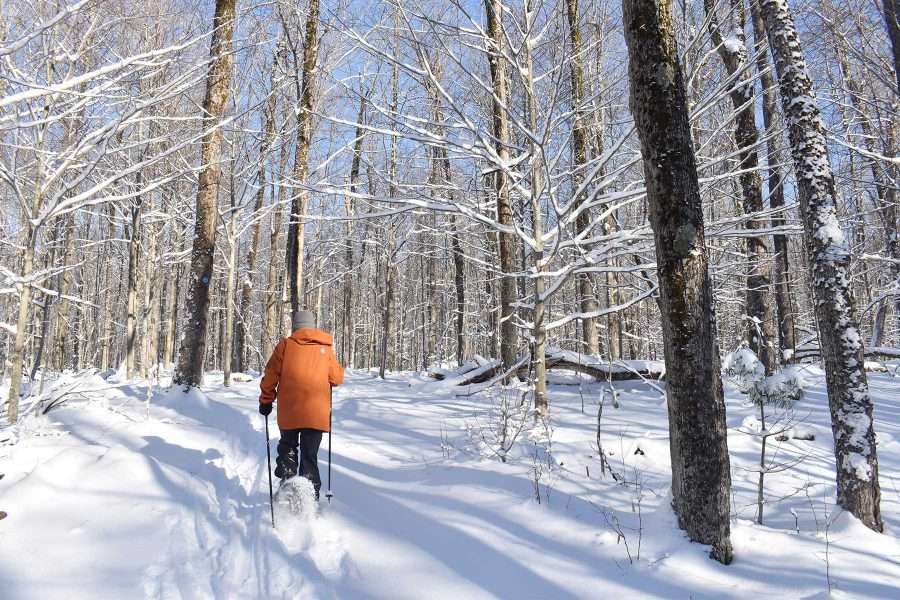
307,440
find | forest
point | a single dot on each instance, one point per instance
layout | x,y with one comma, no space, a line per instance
515,202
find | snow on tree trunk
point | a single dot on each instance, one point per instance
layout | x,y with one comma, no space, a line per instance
218,87
841,345
701,474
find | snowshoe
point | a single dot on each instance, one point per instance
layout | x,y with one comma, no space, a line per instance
296,496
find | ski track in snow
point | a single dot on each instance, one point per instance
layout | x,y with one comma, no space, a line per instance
105,502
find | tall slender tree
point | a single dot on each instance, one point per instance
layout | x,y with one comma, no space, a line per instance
784,302
829,262
759,310
500,130
218,87
300,197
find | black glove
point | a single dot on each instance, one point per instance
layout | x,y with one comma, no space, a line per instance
265,408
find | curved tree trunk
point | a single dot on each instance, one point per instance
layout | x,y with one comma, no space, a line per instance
701,475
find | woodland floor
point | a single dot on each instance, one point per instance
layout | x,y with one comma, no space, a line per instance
110,495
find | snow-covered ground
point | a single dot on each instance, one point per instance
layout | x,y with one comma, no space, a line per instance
110,495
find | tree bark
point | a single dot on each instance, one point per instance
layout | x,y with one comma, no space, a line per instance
760,316
243,331
784,303
349,258
218,88
134,249
892,22
300,199
587,300
506,240
858,490
536,184
701,476
230,273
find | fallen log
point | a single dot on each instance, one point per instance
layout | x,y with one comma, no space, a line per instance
882,352
481,371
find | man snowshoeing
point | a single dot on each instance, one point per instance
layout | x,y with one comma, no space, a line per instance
299,375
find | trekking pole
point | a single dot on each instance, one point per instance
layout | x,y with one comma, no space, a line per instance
329,494
269,462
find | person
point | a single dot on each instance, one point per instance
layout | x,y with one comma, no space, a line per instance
299,377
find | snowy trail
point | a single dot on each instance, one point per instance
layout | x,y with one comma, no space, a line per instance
106,503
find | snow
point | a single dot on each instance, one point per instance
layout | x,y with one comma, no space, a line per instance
107,501
733,45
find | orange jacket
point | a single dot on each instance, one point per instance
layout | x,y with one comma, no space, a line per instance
299,374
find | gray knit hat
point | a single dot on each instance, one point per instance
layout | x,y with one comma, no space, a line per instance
303,318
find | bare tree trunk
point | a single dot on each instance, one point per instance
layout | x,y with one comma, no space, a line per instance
150,310
134,248
349,259
536,184
783,294
506,241
761,318
390,243
892,21
243,330
858,490
172,288
587,300
58,347
459,278
701,476
108,312
231,271
301,158
18,353
218,87
272,298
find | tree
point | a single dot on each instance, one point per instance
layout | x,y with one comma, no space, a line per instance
300,198
733,52
506,245
579,156
781,279
701,477
218,87
841,345
892,22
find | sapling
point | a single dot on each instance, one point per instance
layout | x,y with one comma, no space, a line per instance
780,391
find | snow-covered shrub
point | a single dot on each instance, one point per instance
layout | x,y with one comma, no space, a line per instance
783,388
744,369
